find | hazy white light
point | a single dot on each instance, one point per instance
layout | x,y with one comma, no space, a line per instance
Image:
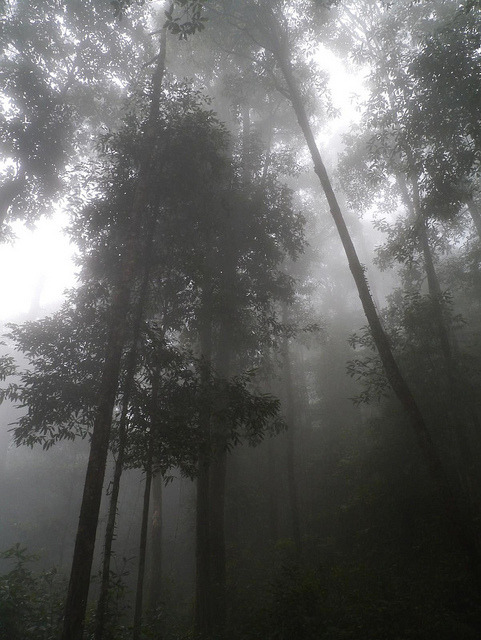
347,89
347,92
39,262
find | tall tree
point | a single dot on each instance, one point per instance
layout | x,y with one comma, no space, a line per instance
399,159
84,546
268,24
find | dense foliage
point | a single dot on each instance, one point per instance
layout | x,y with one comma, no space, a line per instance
260,459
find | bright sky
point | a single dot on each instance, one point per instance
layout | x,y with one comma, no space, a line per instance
39,260
348,90
345,87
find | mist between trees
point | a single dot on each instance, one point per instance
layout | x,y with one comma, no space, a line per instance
257,413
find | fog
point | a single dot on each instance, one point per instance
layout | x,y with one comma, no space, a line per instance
240,355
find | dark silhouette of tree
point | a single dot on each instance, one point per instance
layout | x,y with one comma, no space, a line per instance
269,28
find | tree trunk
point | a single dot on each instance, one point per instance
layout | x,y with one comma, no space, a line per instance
436,297
460,410
203,613
155,590
84,546
139,592
434,288
290,458
218,466
76,602
273,493
211,555
462,526
102,604
217,476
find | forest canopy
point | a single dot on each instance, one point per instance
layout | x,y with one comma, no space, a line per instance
256,413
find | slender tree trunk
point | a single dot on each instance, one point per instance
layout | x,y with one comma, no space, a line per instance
210,615
217,481
436,297
273,492
155,590
434,288
203,587
211,554
203,613
76,602
139,592
217,477
463,411
461,525
102,604
290,458
233,521
84,546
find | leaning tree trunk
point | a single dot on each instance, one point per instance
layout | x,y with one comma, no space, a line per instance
78,589
461,405
464,412
102,603
461,525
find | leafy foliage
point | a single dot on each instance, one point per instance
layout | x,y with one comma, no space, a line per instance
56,87
410,318
58,388
30,604
186,21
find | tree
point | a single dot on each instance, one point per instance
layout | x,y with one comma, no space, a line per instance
264,227
85,542
186,229
268,26
390,157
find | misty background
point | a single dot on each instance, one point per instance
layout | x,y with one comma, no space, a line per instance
241,285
